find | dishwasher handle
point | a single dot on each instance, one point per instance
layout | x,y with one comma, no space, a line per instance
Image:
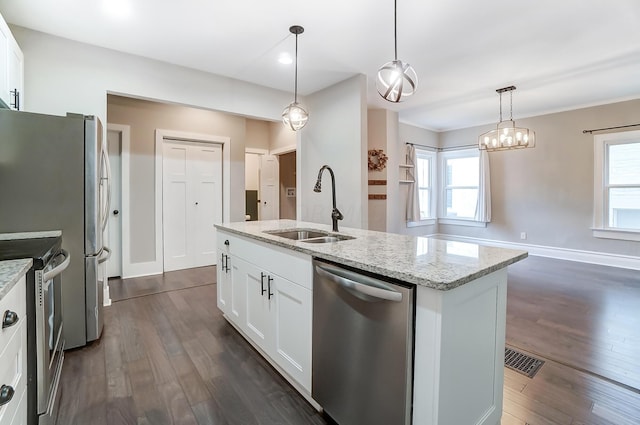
357,282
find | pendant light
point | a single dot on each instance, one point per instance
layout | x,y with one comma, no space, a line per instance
506,135
396,79
295,116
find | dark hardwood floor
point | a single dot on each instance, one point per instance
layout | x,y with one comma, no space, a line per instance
167,356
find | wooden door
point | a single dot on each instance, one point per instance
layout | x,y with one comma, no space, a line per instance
269,188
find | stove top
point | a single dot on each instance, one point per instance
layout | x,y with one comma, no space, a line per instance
40,249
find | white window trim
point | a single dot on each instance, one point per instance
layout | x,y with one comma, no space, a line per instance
433,195
601,227
442,211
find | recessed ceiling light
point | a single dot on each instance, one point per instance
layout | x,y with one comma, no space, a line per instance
285,59
120,9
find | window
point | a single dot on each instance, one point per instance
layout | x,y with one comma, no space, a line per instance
617,186
425,179
460,181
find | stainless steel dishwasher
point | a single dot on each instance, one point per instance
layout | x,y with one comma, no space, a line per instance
363,333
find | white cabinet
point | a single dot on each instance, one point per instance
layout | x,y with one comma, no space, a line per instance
13,356
11,69
268,298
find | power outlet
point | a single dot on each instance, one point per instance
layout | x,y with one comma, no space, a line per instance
523,235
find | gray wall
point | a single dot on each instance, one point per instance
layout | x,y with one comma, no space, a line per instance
144,118
418,136
336,135
547,191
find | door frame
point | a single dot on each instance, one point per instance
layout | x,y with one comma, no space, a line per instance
128,269
160,135
259,152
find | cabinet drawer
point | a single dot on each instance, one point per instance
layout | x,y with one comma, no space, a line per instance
13,368
14,301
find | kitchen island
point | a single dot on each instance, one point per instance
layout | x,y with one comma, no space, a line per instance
265,289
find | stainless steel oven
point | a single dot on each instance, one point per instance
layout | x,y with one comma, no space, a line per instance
45,338
49,336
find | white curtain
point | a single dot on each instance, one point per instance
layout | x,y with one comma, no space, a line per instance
483,207
413,196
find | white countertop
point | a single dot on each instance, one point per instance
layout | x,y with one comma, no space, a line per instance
435,263
10,272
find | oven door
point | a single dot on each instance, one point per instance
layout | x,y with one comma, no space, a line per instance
49,340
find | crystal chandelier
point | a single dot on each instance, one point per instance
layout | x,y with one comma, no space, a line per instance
396,80
295,116
507,135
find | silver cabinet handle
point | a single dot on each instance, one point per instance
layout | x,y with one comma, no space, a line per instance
358,282
59,269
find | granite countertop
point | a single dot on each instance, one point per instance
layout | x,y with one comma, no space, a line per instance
10,272
435,263
30,235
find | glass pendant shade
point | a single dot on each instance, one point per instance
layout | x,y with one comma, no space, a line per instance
295,116
396,81
506,135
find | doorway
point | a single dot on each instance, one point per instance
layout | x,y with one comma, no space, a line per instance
262,194
191,202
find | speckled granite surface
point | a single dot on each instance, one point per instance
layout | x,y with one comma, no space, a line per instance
30,235
10,272
435,263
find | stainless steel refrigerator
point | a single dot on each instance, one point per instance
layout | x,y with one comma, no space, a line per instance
54,175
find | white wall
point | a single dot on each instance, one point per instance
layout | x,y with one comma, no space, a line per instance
336,135
251,171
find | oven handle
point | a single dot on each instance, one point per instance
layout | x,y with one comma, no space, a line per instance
58,269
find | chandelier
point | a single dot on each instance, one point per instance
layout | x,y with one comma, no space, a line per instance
295,116
507,135
396,79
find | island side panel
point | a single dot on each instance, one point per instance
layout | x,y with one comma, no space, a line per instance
459,355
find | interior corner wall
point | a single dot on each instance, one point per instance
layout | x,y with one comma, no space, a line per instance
418,136
281,137
336,135
257,134
377,139
547,191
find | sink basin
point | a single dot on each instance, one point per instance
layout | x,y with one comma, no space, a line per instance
297,234
327,239
309,235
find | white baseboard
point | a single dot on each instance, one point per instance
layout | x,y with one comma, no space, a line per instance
141,269
592,257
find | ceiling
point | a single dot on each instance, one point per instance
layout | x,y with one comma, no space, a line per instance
560,55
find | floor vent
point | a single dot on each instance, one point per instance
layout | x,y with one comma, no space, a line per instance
522,363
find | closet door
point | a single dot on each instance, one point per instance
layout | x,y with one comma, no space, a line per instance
192,203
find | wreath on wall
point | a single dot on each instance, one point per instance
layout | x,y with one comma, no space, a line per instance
377,160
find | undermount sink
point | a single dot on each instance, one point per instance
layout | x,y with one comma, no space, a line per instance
327,239
308,235
297,234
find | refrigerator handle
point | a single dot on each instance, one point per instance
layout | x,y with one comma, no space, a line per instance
107,205
102,259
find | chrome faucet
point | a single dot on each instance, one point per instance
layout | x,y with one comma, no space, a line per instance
335,214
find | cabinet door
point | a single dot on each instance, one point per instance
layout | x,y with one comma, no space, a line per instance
236,300
291,312
258,322
15,75
5,37
224,281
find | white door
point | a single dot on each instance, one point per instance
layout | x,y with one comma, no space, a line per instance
114,223
269,188
192,203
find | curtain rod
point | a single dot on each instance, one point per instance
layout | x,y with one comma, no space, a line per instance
610,128
442,149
